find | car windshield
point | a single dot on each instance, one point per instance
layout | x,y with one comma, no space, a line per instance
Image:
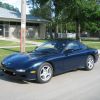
52,46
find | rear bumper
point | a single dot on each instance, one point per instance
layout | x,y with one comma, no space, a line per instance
19,75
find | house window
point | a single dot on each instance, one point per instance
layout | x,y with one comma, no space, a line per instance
1,30
6,30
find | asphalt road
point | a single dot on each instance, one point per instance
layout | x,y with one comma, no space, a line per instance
75,85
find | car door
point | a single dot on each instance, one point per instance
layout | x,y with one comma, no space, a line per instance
72,56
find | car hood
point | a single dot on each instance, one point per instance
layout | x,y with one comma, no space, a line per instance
19,60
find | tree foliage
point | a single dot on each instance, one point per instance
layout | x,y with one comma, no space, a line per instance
83,14
8,6
41,8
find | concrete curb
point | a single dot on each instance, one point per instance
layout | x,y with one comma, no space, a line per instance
27,41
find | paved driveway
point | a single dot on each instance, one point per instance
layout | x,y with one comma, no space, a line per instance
75,85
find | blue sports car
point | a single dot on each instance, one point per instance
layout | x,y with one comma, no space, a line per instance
51,58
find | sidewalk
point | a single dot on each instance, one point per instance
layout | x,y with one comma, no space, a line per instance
17,40
14,46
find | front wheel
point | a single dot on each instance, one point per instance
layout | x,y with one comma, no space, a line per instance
44,73
89,63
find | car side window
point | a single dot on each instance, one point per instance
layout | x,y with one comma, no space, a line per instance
72,45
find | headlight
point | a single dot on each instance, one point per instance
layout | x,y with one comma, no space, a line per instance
20,70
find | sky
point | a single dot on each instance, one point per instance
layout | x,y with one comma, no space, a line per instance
15,3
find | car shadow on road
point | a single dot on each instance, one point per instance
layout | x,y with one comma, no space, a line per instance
11,79
8,78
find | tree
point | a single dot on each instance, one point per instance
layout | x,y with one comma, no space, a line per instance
41,8
9,7
78,12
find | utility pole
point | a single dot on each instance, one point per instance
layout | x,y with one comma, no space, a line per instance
23,26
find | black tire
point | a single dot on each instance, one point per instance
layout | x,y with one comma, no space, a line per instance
40,77
89,63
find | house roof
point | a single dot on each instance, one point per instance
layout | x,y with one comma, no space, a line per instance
8,15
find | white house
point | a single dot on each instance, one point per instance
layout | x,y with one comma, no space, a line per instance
10,25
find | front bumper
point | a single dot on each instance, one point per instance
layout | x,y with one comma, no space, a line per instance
19,75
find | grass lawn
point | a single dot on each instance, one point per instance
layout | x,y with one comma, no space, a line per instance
40,40
92,44
6,52
8,43
89,43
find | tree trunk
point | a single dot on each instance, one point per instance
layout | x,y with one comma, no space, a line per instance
57,28
61,30
78,31
99,34
66,30
56,33
51,35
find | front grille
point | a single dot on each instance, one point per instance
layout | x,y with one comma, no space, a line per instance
5,70
8,72
11,73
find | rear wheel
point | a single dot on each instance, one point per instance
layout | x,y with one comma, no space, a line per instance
44,73
89,63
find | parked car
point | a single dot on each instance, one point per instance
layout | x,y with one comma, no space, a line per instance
49,59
